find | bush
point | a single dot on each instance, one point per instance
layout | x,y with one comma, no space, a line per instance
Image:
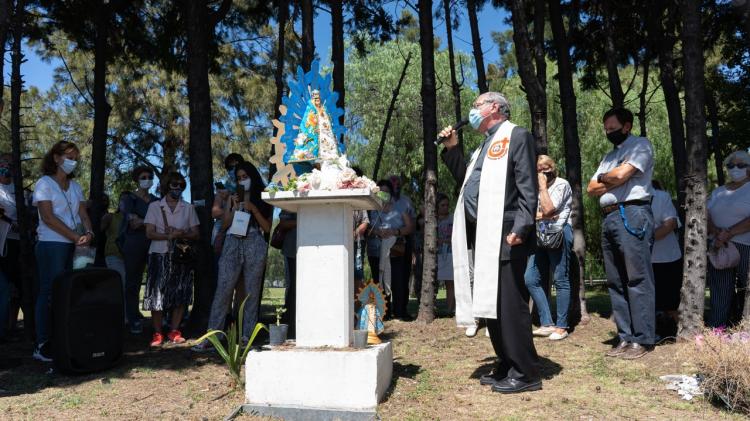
723,359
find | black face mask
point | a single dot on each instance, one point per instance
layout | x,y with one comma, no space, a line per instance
617,137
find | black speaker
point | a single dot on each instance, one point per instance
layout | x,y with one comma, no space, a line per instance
87,320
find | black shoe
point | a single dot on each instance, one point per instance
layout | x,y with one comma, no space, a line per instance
619,349
493,377
510,385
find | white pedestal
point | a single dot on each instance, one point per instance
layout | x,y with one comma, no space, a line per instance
320,378
325,262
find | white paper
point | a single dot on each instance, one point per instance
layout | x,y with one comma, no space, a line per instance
240,223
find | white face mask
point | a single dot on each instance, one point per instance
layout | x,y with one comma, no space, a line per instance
246,184
145,184
737,174
68,165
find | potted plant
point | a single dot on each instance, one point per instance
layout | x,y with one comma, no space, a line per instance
278,331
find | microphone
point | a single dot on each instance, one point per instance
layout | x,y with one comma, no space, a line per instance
458,126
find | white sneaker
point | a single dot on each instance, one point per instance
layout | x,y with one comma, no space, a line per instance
41,353
558,336
471,331
544,331
487,333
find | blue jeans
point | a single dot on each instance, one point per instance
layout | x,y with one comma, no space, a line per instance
630,276
537,274
53,258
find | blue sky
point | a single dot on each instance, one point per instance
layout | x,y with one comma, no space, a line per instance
39,73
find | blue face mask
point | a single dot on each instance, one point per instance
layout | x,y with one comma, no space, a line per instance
475,118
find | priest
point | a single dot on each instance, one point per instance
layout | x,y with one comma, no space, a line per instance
493,234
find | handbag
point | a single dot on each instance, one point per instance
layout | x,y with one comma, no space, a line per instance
725,257
277,237
181,250
549,236
399,247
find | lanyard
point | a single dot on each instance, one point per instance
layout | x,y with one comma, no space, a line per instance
638,234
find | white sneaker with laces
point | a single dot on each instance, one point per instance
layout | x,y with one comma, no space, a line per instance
471,331
544,331
558,336
41,353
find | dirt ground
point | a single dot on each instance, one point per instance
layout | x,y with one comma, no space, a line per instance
436,370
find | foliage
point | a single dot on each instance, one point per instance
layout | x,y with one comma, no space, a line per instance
370,81
235,352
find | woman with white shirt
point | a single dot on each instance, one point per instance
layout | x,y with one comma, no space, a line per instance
169,284
555,197
63,224
729,222
666,255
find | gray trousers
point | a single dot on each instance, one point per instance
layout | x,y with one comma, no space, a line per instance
630,276
246,255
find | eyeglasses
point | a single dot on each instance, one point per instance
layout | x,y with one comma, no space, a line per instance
740,166
177,186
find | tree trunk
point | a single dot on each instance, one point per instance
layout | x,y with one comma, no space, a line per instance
26,254
539,57
389,114
613,74
642,96
278,76
694,280
572,149
713,116
308,40
337,53
535,92
5,11
429,133
199,32
664,41
101,116
476,43
455,86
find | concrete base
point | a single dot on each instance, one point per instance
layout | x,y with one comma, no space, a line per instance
300,382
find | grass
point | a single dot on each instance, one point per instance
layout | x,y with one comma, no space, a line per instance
436,370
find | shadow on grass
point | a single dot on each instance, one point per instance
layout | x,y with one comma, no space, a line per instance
406,371
548,368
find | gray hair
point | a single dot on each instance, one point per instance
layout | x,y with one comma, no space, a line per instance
499,99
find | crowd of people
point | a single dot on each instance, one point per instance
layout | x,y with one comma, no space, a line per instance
148,236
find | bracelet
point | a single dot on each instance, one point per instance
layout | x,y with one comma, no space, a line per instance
91,233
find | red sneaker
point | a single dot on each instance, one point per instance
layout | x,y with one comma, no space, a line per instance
176,337
157,339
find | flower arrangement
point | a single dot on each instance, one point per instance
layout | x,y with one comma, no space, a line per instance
335,174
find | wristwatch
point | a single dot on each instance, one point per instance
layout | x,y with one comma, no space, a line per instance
599,178
90,233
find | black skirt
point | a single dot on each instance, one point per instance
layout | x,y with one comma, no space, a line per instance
168,284
668,280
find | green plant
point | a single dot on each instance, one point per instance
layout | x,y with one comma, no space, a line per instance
279,311
234,354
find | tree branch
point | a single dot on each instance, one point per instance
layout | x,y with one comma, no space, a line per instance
72,80
138,155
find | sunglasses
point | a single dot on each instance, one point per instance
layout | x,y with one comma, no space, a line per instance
740,166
